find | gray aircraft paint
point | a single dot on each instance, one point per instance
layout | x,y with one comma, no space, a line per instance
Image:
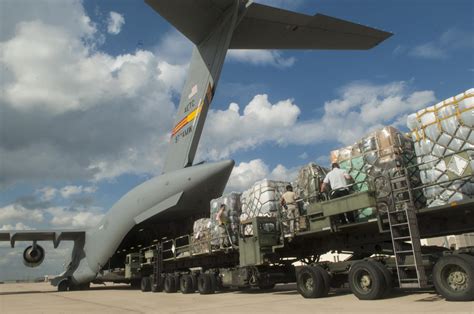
204,71
214,27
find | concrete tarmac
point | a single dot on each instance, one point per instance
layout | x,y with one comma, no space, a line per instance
43,298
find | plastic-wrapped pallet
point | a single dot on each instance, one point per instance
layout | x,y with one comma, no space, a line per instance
378,154
444,145
201,235
308,182
383,150
262,200
233,211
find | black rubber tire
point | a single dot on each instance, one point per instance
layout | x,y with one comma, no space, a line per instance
157,287
310,283
326,279
373,277
186,284
176,281
135,283
455,267
145,284
387,277
82,286
266,286
170,284
205,285
194,277
214,282
63,285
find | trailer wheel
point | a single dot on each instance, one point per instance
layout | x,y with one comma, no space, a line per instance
205,284
310,282
186,284
194,278
366,281
169,286
387,277
145,285
63,285
157,286
326,279
453,277
269,286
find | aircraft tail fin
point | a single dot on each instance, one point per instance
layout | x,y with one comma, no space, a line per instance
215,26
265,27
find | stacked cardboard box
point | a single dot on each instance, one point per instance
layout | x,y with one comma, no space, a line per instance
308,182
377,156
444,145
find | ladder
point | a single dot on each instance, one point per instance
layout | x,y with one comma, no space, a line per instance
157,268
404,232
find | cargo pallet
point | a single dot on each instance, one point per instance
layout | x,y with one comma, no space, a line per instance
385,250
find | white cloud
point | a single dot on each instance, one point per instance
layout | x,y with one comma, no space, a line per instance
261,57
65,104
281,173
304,155
69,15
62,217
429,50
247,173
17,226
360,108
18,212
71,190
115,23
47,193
260,121
449,41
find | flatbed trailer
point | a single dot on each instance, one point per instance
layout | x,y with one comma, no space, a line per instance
385,250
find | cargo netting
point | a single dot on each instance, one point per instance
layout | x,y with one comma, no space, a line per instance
378,156
444,145
232,212
262,200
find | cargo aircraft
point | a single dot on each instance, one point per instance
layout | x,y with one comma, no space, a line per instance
166,204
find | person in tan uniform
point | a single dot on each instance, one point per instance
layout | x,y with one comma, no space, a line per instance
223,221
290,207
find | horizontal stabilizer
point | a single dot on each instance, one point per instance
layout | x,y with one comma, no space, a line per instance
265,27
195,19
37,235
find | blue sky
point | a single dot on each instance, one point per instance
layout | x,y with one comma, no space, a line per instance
89,91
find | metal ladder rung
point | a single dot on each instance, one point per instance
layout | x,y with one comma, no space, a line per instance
410,285
402,208
397,211
409,279
400,189
402,238
397,179
400,224
404,251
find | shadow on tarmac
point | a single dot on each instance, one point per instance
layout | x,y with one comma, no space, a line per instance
288,289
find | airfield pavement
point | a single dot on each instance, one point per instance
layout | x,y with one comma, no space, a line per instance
43,298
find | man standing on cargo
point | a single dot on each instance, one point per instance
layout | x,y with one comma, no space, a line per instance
223,221
337,179
288,201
